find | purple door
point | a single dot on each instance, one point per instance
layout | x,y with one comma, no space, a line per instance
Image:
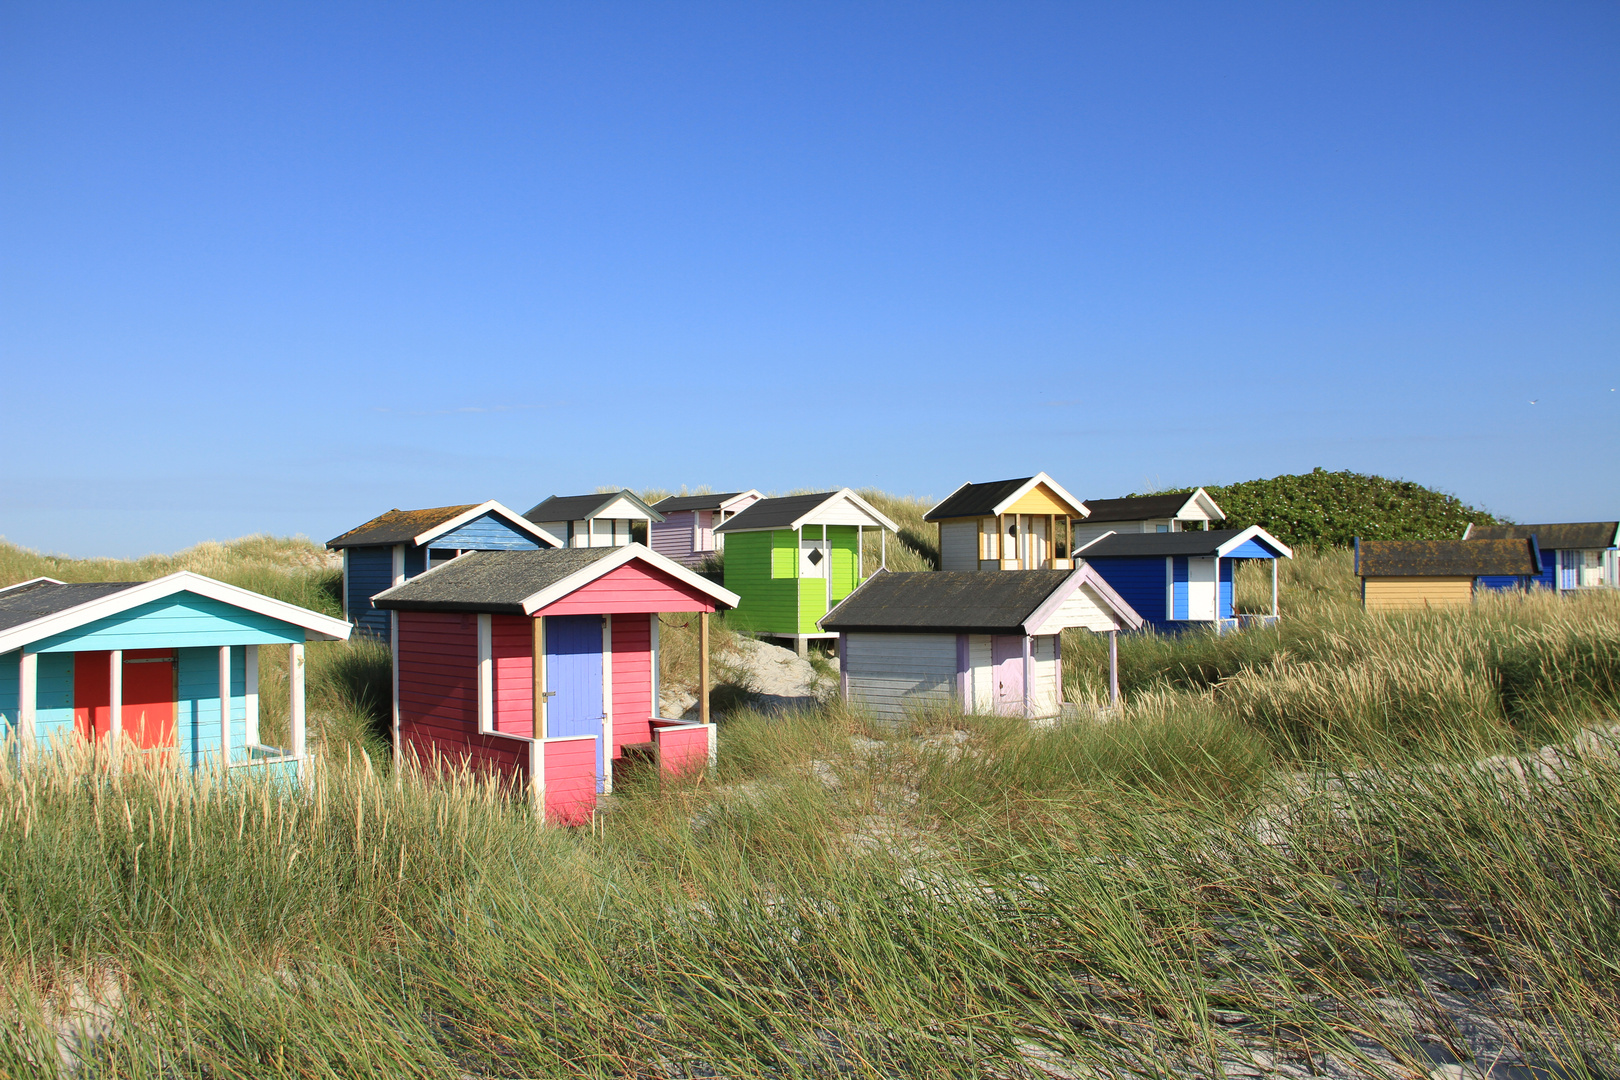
574,677
1007,664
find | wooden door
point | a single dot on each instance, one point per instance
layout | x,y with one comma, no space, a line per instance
150,684
1007,669
92,694
1201,587
574,678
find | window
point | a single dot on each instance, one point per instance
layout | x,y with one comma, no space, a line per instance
989,540
440,556
1161,528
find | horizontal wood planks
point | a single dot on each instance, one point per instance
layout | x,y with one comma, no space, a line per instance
1039,500
1140,582
1083,610
438,698
672,537
512,652
760,570
959,544
684,750
889,673
371,570
632,681
634,588
1416,593
487,532
570,766
179,621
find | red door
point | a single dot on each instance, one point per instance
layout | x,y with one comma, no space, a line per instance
1007,659
149,697
92,694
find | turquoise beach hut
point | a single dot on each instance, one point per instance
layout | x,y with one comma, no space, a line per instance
150,667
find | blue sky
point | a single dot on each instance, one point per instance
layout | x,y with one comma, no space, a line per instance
280,268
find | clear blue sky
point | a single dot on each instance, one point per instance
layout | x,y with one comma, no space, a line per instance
280,268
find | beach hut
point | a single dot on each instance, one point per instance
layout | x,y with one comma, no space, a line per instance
1176,580
392,548
1405,575
1149,514
687,532
1574,555
603,519
791,559
982,643
1022,524
150,668
541,667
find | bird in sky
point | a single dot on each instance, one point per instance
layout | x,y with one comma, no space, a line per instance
1534,400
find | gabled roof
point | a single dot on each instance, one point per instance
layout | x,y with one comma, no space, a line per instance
968,601
792,511
995,496
43,607
1573,535
1447,558
1155,507
1204,542
419,527
716,501
585,507
523,582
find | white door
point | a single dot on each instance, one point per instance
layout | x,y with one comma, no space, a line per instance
1201,589
812,558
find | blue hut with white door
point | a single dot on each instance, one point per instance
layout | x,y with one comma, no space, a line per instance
392,548
148,669
1176,580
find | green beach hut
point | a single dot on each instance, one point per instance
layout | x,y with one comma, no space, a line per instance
791,559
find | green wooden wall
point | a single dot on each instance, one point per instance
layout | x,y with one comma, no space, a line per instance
760,568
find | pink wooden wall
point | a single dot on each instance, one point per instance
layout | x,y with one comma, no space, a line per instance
438,697
632,680
631,589
683,750
570,780
512,641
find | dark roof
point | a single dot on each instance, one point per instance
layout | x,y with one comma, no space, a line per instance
1138,508
946,601
1445,558
676,503
493,581
397,526
25,603
775,513
581,507
1122,545
1568,536
975,500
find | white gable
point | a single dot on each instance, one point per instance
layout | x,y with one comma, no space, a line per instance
622,507
1084,609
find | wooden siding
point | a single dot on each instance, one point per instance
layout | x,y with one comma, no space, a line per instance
843,512
371,570
178,621
959,544
10,677
1249,549
634,588
487,532
768,600
683,749
415,561
672,537
1039,500
632,682
512,652
891,673
438,698
1140,582
1224,596
1416,593
841,540
197,706
1044,693
53,694
570,780
981,674
1083,610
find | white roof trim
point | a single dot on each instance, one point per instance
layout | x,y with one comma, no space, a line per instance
492,506
317,627
37,580
1082,576
1204,502
845,493
740,496
1093,540
608,563
1251,533
1033,482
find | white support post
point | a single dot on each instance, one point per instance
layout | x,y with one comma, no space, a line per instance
295,700
652,634
1113,667
393,657
883,550
115,698
1219,626
860,551
486,674
250,693
607,703
27,694
1273,588
225,705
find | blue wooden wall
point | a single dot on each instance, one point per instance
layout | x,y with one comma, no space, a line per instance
9,676
1139,581
1178,587
371,570
1223,602
486,533
177,621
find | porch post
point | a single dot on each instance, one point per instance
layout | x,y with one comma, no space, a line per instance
703,667
1273,588
225,704
393,656
1218,623
537,676
250,693
115,705
295,697
1113,667
655,674
860,551
883,548
27,690
1026,676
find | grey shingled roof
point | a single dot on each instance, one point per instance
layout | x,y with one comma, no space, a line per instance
775,513
1573,535
975,500
582,507
1139,508
25,603
946,601
1124,545
492,581
397,526
1445,558
677,503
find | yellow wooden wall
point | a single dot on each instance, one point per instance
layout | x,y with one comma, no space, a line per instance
1416,593
1039,500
